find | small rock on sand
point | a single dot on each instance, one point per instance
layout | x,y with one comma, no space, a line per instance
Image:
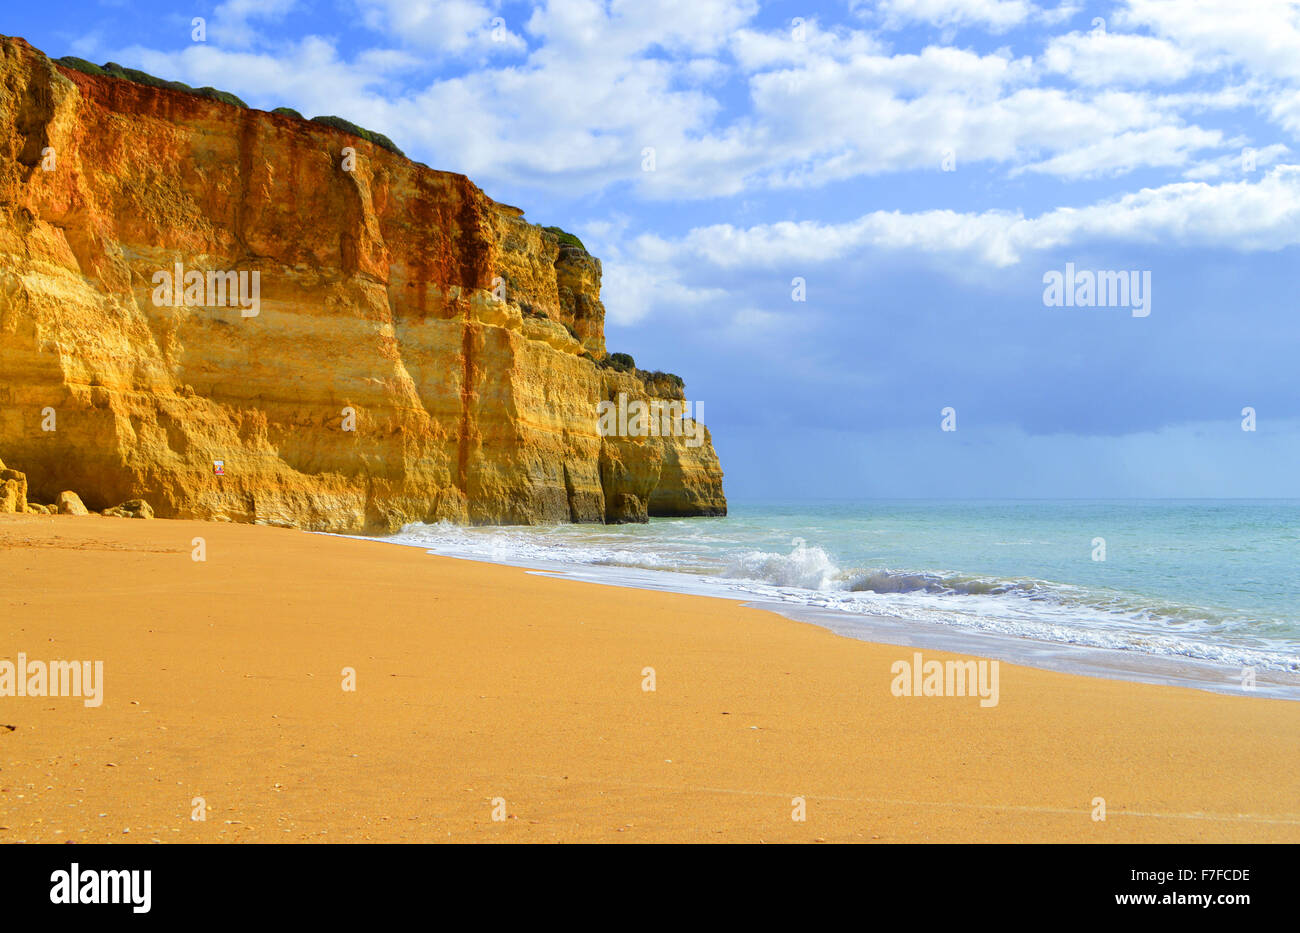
69,503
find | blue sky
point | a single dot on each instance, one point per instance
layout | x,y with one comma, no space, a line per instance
810,140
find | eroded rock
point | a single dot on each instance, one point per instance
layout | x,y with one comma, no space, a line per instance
13,490
132,508
379,382
69,503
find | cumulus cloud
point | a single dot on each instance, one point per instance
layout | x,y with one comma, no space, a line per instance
584,97
1241,216
1261,36
235,22
1163,146
1104,58
454,27
994,15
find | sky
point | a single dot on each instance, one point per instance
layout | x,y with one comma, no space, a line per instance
839,220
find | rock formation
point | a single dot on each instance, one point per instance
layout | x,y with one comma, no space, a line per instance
13,490
69,503
132,508
416,351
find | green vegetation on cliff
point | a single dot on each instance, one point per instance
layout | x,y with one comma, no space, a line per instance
621,362
370,136
114,70
568,239
624,363
660,376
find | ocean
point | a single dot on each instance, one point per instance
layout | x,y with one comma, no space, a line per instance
1198,592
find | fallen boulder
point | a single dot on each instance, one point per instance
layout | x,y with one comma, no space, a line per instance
131,508
69,503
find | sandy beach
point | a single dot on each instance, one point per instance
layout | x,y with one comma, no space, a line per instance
482,688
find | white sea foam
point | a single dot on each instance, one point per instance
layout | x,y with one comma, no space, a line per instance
688,557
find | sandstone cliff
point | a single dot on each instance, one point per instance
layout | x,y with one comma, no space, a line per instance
381,380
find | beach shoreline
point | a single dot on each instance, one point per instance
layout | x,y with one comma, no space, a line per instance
1069,658
485,690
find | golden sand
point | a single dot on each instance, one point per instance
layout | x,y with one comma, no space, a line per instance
483,689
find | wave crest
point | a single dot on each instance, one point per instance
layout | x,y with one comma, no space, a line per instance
807,567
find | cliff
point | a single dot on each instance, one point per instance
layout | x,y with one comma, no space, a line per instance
416,351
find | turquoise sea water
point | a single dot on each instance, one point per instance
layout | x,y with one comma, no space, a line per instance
1207,580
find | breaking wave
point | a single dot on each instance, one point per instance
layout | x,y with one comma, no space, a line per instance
806,574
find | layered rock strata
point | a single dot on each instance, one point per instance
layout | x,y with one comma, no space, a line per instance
406,348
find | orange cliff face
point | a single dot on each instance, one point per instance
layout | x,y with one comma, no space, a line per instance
376,380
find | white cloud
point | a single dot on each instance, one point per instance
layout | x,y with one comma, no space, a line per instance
455,27
1259,39
1262,36
1163,146
994,15
231,21
835,121
1237,164
632,290
1245,216
1105,58
625,27
755,50
597,83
